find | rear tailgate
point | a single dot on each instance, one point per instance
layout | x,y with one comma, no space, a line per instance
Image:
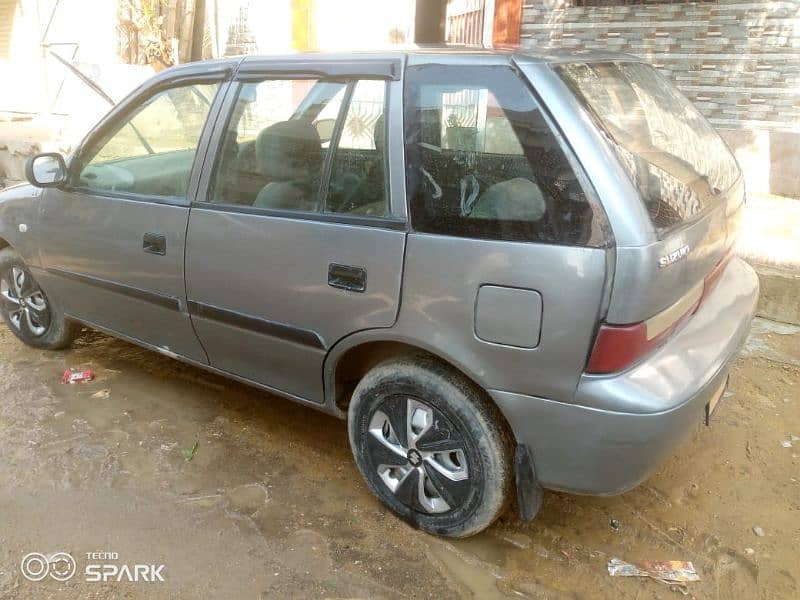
650,279
692,192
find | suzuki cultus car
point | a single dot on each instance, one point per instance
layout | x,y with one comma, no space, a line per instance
509,272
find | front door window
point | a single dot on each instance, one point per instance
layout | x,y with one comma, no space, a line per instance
151,152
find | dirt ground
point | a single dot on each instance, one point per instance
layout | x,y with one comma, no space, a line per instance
272,505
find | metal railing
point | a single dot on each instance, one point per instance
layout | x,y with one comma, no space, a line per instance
465,22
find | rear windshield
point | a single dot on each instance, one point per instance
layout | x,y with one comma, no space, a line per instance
673,156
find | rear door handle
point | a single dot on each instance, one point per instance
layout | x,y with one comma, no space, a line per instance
346,277
154,243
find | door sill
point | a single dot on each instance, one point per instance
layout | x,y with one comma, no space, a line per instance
322,406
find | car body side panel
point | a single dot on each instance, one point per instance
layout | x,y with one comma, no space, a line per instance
440,286
276,270
94,265
18,221
623,426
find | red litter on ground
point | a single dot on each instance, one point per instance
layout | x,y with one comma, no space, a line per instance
71,376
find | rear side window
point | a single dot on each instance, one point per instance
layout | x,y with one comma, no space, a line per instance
482,161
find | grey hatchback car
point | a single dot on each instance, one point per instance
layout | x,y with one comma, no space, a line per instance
509,272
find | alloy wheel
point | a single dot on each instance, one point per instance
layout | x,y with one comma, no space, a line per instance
419,455
24,302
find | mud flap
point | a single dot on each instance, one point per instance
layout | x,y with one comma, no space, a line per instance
529,492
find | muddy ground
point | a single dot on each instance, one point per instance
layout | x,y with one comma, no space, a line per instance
272,505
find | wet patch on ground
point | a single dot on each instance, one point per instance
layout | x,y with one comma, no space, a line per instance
270,504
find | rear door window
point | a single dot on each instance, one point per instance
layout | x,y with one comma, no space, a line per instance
679,164
358,173
276,144
483,162
292,143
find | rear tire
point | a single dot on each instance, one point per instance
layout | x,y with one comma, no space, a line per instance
27,311
431,446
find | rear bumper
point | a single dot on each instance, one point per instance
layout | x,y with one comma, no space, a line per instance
620,428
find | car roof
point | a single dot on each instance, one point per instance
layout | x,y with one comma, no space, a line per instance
438,53
413,55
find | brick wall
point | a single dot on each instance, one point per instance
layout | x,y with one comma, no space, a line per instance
738,61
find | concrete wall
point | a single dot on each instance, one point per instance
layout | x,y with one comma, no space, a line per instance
738,61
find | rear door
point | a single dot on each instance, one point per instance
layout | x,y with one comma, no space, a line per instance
297,237
112,242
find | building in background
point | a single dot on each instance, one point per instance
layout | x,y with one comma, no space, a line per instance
116,44
738,61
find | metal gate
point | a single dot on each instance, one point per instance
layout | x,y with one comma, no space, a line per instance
465,20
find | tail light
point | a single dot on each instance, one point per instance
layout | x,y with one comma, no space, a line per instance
617,347
713,278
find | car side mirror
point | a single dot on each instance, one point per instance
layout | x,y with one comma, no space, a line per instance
46,170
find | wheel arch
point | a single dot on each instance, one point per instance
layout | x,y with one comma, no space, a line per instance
351,358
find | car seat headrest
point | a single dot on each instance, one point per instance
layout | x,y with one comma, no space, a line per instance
289,150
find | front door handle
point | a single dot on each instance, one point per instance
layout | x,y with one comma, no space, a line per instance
346,277
154,243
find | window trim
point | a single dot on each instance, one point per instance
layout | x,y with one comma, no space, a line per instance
359,68
123,112
333,145
201,199
392,223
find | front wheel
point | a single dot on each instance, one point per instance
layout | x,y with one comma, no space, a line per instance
431,446
26,309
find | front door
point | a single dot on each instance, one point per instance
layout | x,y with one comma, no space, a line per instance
112,243
295,243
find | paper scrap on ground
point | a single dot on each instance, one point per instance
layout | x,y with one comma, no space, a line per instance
666,571
71,376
